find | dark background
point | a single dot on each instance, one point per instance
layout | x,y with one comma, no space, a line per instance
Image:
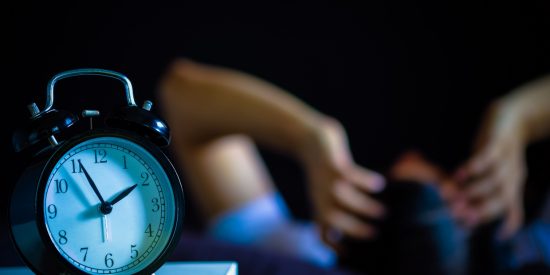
398,74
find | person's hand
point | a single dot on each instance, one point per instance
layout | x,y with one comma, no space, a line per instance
490,184
340,188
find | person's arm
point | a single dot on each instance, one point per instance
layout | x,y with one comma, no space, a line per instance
491,182
531,106
205,104
212,102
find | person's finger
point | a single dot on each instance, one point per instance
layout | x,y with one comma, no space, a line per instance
485,211
482,188
477,165
349,197
513,220
488,185
349,225
365,179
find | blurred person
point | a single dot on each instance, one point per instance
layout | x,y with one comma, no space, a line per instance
217,115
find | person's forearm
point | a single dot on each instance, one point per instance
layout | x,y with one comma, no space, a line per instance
531,104
209,102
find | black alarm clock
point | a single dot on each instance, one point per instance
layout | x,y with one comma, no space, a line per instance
99,201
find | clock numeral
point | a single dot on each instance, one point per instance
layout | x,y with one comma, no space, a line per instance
134,253
100,156
125,164
85,249
62,237
156,205
52,210
109,262
74,166
149,231
61,186
145,178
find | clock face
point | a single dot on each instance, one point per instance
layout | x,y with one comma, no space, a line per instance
109,206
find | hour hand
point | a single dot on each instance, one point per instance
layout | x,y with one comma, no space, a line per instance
122,194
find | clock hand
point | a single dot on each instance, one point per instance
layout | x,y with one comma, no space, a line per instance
92,212
105,208
122,195
106,229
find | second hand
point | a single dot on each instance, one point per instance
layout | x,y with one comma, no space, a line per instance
106,230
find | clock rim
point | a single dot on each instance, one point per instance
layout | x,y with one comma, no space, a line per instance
155,151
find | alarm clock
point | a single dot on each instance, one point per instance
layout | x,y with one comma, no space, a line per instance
95,201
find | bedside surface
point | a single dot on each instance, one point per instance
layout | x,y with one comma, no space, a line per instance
195,268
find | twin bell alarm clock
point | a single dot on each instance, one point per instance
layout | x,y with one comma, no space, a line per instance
97,201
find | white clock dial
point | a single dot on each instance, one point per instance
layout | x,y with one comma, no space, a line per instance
135,187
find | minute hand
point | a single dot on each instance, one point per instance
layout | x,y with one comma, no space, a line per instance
122,194
92,184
